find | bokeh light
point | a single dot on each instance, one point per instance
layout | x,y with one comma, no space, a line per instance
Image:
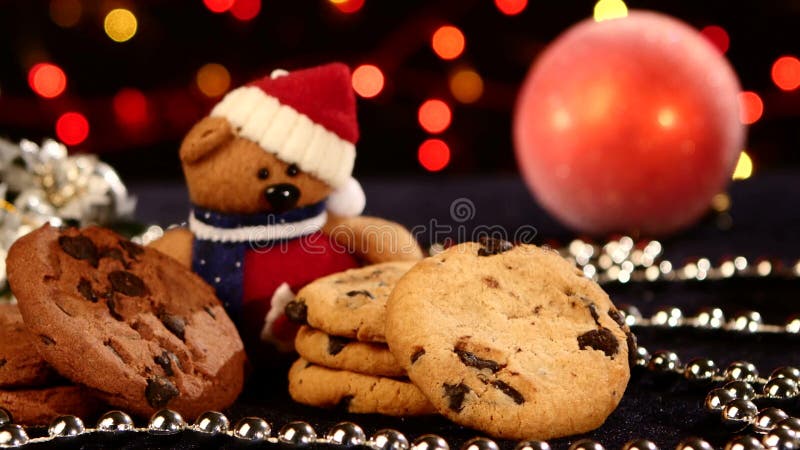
348,6
511,7
213,80
47,80
744,167
367,80
433,155
245,10
72,128
666,117
130,107
434,116
466,85
750,107
786,73
610,9
65,13
448,42
120,25
218,6
717,36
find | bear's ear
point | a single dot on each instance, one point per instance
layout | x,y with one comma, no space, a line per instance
204,138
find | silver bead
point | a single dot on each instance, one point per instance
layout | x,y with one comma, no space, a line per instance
212,422
747,322
744,442
586,444
767,419
532,445
346,434
793,325
5,417
786,372
641,356
739,413
480,443
631,314
252,429
710,318
700,370
389,440
792,423
694,443
668,317
64,426
718,398
430,442
741,370
640,444
166,421
115,421
298,434
664,362
12,436
781,389
741,390
781,439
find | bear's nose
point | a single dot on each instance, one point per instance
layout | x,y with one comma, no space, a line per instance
282,197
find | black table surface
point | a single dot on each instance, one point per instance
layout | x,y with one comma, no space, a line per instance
765,222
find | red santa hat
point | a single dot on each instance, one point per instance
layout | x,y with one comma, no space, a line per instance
305,117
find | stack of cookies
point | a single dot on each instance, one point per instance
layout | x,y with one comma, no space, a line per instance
510,340
344,359
104,318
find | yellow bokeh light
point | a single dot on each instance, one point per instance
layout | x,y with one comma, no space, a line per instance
666,118
744,168
213,80
120,25
466,86
609,9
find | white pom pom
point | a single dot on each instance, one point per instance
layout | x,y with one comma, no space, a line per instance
348,200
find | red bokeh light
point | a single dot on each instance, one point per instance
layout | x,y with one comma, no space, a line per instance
130,107
511,7
434,116
367,80
717,36
47,80
448,42
72,128
786,73
348,6
433,155
218,6
750,107
245,10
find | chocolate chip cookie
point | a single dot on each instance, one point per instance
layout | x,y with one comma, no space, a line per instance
354,392
39,406
510,340
346,354
20,363
129,322
350,304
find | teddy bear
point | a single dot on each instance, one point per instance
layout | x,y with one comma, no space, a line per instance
274,204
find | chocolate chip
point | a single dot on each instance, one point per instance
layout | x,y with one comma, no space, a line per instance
85,289
175,324
617,317
537,309
47,340
344,403
115,254
3,362
160,391
113,308
79,247
361,292
127,283
505,388
164,360
472,360
336,344
133,250
455,394
491,282
418,352
492,246
593,312
602,339
630,340
209,311
296,311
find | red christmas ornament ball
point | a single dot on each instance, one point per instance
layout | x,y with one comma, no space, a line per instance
628,125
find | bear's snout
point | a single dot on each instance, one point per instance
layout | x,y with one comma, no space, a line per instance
282,197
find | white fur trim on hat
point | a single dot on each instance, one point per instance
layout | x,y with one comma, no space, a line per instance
348,200
290,134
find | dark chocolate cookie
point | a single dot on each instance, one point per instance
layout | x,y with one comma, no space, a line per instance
40,406
20,362
126,321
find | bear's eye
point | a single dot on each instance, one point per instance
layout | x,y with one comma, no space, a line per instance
292,170
263,173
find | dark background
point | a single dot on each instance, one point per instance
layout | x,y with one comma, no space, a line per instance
175,38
